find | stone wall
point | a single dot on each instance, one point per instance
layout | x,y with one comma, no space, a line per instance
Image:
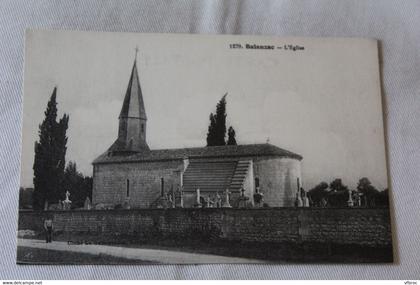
364,227
144,179
278,180
277,177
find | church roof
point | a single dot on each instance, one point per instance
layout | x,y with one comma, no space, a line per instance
124,147
133,105
199,152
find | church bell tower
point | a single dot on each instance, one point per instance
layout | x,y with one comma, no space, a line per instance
132,119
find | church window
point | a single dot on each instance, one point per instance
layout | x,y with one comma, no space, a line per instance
162,186
128,188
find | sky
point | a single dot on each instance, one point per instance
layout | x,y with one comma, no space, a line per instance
323,102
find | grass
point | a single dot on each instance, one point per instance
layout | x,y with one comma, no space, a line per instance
271,252
26,255
280,252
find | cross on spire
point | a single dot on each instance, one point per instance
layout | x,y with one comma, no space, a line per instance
137,50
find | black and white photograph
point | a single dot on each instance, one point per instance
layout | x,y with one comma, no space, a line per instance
197,149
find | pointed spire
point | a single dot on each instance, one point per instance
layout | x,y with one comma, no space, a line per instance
132,119
133,106
137,50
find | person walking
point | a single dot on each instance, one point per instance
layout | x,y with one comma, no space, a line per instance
48,226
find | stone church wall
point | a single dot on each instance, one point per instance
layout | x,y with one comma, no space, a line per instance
277,178
249,185
144,179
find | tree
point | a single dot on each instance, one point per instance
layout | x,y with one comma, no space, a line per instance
318,193
78,185
217,129
338,195
231,137
369,192
211,140
337,185
382,198
25,198
50,152
220,132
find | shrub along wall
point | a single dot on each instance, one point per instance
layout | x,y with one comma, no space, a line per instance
361,226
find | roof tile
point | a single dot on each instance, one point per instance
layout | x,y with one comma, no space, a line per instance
198,152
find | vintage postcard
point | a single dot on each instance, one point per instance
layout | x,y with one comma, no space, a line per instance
176,148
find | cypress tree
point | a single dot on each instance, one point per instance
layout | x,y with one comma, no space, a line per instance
61,146
217,129
231,137
220,132
211,131
50,153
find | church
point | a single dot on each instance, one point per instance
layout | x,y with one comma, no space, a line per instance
131,175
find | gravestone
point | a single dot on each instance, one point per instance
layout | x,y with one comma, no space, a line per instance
67,202
226,203
87,205
242,201
179,198
218,200
305,200
350,202
198,200
258,197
